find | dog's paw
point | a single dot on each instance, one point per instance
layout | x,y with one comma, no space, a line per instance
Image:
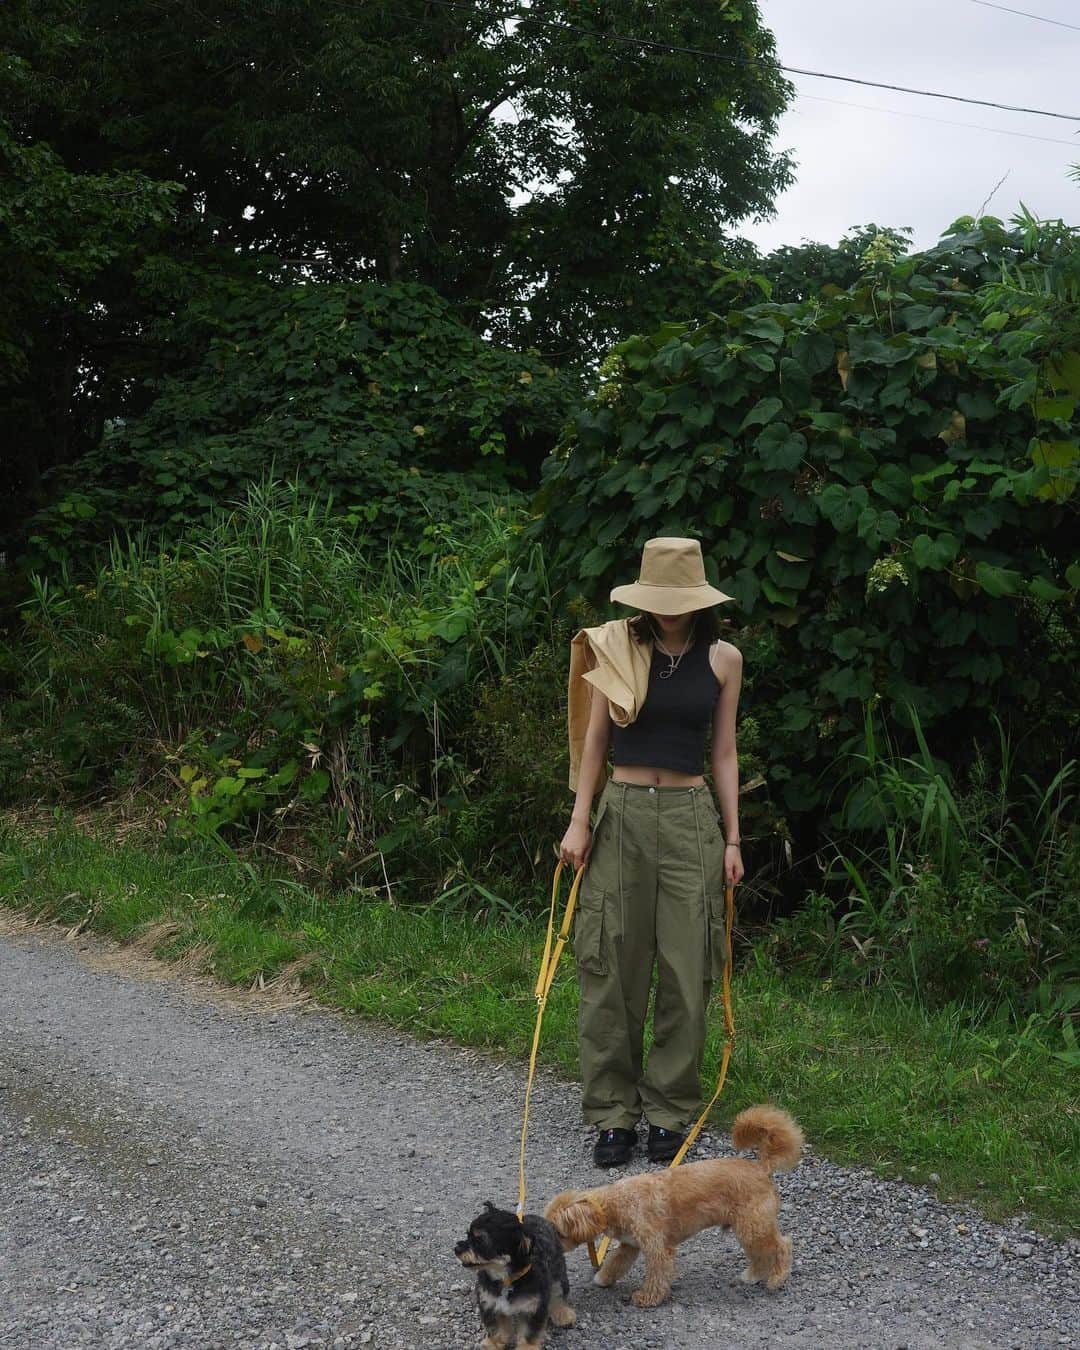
776,1281
605,1281
748,1276
640,1299
562,1315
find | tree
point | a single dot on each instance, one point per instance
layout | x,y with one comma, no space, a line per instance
392,141
70,245
799,271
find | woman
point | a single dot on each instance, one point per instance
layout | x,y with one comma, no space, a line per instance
656,859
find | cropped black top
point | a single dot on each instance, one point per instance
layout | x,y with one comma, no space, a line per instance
669,731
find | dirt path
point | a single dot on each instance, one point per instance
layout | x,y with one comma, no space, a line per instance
177,1171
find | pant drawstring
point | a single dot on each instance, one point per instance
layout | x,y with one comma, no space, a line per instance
704,888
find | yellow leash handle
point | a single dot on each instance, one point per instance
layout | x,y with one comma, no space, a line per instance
553,950
596,1256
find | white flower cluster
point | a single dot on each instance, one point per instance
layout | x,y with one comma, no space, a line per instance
879,254
882,574
612,372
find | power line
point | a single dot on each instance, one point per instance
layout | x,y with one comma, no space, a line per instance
746,61
942,121
1060,23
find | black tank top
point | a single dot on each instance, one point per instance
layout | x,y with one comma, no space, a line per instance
669,731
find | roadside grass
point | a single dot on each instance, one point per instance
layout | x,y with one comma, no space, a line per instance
871,1078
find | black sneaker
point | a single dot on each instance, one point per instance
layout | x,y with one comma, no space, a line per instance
664,1144
614,1148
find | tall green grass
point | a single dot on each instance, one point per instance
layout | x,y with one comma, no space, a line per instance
966,896
872,1077
270,676
395,721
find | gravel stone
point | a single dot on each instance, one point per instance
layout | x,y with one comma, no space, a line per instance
377,1151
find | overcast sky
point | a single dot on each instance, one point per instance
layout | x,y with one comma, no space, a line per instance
859,164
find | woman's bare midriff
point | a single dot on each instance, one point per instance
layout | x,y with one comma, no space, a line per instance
644,775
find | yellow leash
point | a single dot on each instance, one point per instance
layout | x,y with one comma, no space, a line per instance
548,965
553,950
597,1256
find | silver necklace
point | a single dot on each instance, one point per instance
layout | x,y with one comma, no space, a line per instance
674,660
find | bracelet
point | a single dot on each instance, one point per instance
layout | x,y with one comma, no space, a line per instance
732,843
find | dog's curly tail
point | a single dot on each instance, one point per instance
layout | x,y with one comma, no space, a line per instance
773,1133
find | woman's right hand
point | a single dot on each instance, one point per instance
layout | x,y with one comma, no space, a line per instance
576,845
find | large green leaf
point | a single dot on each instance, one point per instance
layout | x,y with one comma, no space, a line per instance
777,594
778,447
764,410
934,554
815,352
877,527
842,505
998,581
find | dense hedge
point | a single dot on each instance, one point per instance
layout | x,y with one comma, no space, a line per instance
883,477
376,395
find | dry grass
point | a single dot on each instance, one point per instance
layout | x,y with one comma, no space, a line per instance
192,967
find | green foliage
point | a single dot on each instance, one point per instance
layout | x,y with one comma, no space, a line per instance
968,894
68,242
196,157
287,680
375,396
882,476
517,732
801,271
346,137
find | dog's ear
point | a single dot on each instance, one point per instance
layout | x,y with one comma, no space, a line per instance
576,1220
488,1206
526,1244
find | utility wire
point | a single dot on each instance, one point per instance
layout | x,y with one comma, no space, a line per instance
742,61
942,121
1060,23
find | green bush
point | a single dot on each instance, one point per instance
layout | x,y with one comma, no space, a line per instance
883,477
376,396
286,679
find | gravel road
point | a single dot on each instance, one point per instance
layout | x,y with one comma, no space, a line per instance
179,1172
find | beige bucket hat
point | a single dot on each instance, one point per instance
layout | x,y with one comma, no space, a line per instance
671,579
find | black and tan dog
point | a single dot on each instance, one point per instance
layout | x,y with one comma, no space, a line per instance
521,1279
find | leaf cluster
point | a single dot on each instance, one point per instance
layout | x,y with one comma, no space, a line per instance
882,475
375,396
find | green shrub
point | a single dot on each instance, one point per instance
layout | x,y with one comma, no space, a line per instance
290,684
375,395
882,476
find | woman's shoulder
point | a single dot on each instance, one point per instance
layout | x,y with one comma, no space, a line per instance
725,659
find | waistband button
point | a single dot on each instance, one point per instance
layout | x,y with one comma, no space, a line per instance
652,789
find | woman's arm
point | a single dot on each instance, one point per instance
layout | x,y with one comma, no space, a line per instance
725,762
576,844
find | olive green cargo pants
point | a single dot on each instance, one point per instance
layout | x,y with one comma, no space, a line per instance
653,891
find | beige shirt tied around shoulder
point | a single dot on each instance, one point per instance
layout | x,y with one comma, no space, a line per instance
608,660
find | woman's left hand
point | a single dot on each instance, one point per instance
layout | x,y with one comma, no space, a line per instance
733,865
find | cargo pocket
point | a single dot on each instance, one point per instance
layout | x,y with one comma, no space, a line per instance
716,944
589,932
